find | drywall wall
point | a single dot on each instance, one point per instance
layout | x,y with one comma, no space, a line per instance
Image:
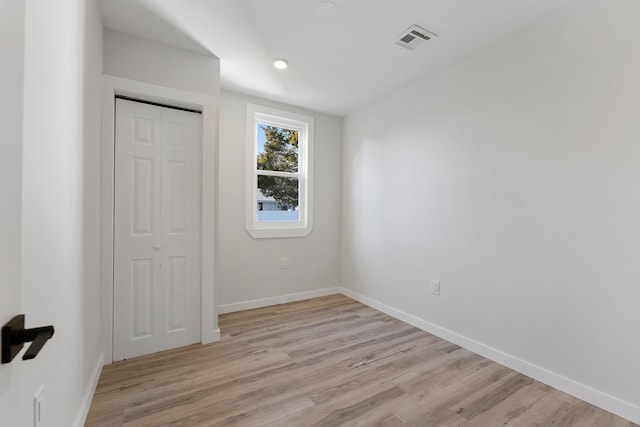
58,258
512,178
248,270
134,58
91,285
11,83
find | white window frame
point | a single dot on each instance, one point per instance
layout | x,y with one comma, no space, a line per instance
257,114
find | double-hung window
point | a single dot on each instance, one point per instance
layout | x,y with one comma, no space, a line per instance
279,173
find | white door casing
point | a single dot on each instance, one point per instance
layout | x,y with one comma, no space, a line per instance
156,229
117,86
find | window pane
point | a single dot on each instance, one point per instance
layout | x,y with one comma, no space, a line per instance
277,199
277,149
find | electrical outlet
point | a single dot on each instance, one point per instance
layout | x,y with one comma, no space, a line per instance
38,413
284,264
435,287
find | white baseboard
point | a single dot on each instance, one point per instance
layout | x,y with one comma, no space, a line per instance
595,397
85,405
282,299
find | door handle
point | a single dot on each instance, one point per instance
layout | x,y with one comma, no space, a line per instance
14,335
156,247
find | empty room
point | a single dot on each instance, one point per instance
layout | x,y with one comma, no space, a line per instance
320,213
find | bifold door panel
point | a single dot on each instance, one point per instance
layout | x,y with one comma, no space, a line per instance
156,229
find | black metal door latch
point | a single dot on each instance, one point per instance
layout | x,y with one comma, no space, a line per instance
14,335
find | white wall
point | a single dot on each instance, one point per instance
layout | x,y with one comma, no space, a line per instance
249,269
59,270
134,58
91,180
512,177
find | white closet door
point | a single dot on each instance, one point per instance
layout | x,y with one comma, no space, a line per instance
157,229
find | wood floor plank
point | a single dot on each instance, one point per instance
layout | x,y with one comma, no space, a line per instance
485,399
343,415
328,361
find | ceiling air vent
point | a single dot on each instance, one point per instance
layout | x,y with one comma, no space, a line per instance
414,36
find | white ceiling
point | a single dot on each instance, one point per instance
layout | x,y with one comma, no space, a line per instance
336,64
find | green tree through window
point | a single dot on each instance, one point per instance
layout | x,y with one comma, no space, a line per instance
279,184
280,153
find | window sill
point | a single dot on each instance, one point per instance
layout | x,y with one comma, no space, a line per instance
278,233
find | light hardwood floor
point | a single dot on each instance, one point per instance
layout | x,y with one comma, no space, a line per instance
328,362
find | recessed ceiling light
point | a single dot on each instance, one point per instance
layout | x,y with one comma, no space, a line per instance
281,64
326,9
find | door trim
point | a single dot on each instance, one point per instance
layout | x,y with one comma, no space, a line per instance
112,86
